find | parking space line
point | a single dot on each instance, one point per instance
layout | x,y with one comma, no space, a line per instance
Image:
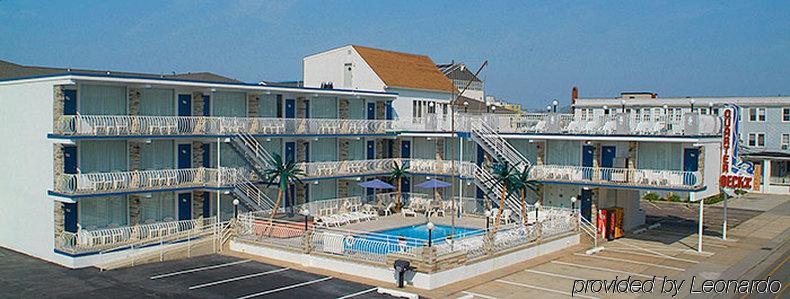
628,251
293,286
198,269
358,293
237,278
630,261
606,270
479,295
553,274
543,289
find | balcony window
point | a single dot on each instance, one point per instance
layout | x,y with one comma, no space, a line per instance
757,139
756,114
102,212
786,114
785,141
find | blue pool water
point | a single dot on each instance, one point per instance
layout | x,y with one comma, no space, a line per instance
400,239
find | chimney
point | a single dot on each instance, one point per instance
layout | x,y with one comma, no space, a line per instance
574,96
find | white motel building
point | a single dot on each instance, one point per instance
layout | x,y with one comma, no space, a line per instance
100,151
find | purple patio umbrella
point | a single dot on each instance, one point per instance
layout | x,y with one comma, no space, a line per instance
375,184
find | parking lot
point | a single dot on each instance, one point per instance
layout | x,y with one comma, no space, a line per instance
211,276
666,251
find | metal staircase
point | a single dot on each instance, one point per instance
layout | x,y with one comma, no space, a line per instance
502,151
259,160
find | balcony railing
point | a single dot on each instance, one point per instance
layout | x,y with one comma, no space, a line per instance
133,125
670,179
555,123
379,166
108,182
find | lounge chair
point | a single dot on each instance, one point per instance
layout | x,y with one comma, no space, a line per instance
407,211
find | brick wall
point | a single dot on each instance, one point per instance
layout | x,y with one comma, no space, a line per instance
252,105
342,112
59,98
134,101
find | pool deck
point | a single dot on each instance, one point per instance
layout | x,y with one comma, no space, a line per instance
398,220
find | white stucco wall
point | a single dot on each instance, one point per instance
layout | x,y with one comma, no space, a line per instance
328,67
402,106
26,211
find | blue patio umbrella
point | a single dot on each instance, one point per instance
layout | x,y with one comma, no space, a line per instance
433,184
375,184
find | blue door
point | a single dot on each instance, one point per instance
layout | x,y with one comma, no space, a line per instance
586,204
290,151
206,106
405,149
70,102
607,161
206,204
184,109
481,156
70,217
290,108
185,206
588,152
69,159
690,163
372,110
371,149
184,156
207,155
388,112
306,108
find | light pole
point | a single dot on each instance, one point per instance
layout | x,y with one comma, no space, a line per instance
306,213
666,109
710,108
236,208
573,203
466,107
605,109
430,233
622,103
537,207
554,103
488,215
548,109
692,105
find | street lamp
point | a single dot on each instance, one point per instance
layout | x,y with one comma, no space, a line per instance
430,233
555,103
622,102
692,105
666,108
537,207
466,106
488,215
236,208
548,108
306,213
573,203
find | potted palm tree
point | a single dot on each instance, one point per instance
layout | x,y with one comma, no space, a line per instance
283,174
521,181
396,174
503,174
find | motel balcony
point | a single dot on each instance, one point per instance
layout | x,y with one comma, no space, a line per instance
134,125
145,180
555,123
673,180
352,168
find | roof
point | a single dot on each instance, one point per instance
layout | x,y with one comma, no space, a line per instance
405,70
457,71
13,70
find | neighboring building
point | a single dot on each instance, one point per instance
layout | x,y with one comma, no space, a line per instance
764,126
461,77
108,159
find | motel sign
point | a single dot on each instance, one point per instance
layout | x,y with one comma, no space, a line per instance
735,173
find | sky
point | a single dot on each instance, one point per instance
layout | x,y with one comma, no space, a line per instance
537,51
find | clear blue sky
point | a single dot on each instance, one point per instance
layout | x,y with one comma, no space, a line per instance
537,51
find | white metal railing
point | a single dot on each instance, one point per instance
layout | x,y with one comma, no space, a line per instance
377,166
780,180
485,180
495,144
140,180
597,124
121,125
84,241
618,176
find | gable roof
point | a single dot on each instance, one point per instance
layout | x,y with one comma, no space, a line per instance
13,70
405,70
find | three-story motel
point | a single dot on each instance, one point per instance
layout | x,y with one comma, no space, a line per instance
111,154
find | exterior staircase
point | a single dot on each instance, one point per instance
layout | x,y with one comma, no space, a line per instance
502,151
259,160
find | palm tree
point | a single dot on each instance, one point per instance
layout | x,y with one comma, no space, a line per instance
397,173
282,173
503,174
521,181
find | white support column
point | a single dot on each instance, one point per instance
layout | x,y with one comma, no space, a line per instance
724,223
766,176
699,240
219,179
460,181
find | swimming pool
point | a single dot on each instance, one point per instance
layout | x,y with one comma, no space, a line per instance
402,238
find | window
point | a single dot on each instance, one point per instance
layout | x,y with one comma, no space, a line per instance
785,114
785,141
756,114
757,139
